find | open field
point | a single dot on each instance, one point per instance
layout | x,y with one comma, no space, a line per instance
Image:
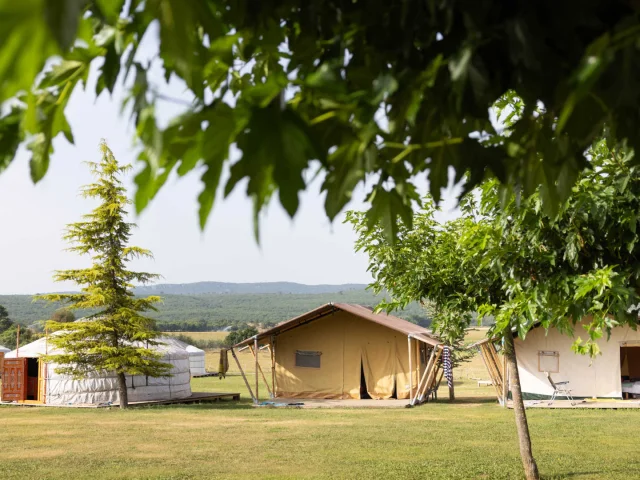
473,438
201,335
476,333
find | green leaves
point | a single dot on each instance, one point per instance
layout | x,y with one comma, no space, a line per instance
346,169
276,150
10,136
409,97
510,259
110,9
40,148
62,18
386,208
215,147
25,45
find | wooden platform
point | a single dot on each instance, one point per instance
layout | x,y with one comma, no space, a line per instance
583,404
327,403
196,397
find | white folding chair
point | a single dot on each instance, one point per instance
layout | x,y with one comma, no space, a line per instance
559,389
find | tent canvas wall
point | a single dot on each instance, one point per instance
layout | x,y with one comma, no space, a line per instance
600,377
196,360
44,385
342,351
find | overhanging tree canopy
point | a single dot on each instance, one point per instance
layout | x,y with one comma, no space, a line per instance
509,259
394,88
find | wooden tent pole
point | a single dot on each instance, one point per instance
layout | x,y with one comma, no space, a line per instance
255,345
18,342
410,371
432,371
424,375
437,384
496,366
489,363
272,350
244,377
261,372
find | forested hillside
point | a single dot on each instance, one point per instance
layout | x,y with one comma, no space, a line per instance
216,311
239,288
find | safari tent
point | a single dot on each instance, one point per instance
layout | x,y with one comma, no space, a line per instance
344,351
29,380
615,373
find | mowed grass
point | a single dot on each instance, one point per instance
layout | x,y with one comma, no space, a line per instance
472,438
438,440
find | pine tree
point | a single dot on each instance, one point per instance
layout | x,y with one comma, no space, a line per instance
117,338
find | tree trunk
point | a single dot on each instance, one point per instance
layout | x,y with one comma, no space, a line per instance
526,454
122,391
452,393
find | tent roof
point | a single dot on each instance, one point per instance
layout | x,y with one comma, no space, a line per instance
389,321
4,349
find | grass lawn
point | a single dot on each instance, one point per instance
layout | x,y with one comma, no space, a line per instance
473,438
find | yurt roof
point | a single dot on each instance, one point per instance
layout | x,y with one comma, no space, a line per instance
194,350
189,348
4,349
169,347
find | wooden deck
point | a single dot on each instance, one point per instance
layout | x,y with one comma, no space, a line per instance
208,374
328,403
196,397
584,404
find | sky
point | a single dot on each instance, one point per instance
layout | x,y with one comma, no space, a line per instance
308,249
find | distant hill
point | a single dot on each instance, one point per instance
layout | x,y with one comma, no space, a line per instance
241,288
215,305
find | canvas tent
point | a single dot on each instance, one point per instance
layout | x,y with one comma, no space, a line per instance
27,379
612,374
196,359
344,351
4,349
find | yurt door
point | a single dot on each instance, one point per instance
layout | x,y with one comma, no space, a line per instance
42,381
14,376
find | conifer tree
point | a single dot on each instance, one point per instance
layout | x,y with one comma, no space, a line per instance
117,338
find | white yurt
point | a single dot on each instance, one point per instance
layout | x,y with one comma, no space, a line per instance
196,360
4,349
102,388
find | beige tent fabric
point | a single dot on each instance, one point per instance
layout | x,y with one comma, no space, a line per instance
347,343
599,377
325,336
377,349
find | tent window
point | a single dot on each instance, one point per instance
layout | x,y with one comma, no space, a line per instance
307,358
549,361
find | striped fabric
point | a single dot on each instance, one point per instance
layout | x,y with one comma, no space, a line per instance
448,370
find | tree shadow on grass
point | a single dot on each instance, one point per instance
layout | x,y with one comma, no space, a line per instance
480,400
587,474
